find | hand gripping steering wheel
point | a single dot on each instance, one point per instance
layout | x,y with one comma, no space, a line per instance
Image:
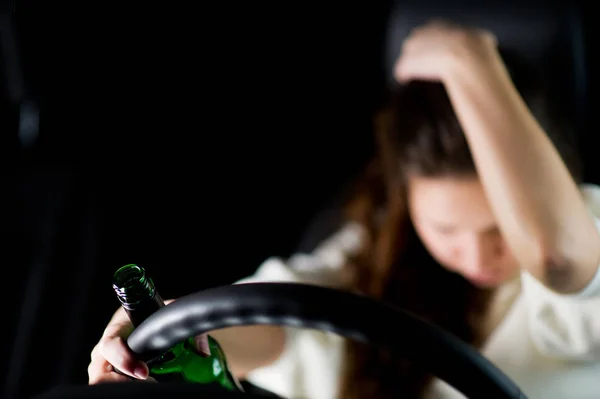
347,314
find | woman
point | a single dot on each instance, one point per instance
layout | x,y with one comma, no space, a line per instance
469,217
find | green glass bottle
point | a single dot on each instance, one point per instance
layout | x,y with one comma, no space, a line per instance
181,363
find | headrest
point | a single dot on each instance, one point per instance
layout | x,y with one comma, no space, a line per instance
545,34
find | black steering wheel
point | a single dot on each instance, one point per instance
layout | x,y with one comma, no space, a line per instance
299,305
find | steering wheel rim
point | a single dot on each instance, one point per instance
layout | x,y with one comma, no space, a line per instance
347,314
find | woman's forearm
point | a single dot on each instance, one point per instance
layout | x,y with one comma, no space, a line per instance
539,208
252,347
249,348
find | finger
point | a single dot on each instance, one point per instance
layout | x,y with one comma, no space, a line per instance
115,351
487,35
401,71
407,45
101,371
422,38
441,23
149,379
433,27
415,67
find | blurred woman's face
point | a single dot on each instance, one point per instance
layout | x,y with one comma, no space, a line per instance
454,221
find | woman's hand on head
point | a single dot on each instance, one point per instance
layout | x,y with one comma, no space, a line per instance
432,51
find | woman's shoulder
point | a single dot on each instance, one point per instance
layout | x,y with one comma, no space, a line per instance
326,265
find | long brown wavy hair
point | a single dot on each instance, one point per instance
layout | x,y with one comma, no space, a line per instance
418,133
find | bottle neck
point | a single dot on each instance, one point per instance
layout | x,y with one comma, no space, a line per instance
137,293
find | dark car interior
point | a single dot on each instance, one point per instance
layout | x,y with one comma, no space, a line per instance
200,143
